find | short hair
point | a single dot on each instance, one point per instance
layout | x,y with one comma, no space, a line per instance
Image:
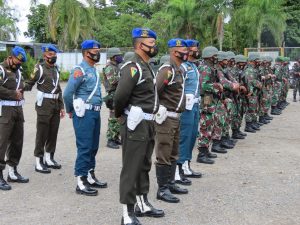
83,51
136,41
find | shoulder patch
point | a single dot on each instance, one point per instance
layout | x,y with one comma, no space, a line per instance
170,73
107,69
133,71
77,73
36,68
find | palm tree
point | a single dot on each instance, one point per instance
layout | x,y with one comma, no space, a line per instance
265,14
184,17
73,19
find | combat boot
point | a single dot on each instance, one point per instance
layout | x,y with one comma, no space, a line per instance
14,176
255,126
84,188
267,117
112,144
50,161
188,172
230,140
40,166
144,208
163,176
262,120
225,143
3,184
203,156
216,147
180,177
249,128
174,189
237,135
93,181
242,133
274,111
129,217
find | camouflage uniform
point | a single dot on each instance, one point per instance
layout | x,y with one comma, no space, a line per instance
296,78
277,87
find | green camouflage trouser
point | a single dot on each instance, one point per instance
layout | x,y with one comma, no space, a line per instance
113,130
285,90
251,114
276,93
220,120
229,112
265,101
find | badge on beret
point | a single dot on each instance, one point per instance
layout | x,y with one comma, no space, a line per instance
145,33
133,71
178,43
20,57
77,73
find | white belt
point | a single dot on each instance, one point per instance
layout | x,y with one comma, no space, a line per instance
12,103
147,116
196,100
96,108
51,96
173,114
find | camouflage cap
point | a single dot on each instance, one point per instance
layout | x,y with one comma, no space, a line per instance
230,55
111,52
209,52
253,56
222,56
240,59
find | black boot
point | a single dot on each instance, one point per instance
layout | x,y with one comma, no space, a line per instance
174,189
216,147
180,178
267,117
40,166
211,155
203,156
163,175
274,111
84,188
144,208
242,133
118,141
237,135
262,120
255,126
189,172
129,217
14,176
3,184
94,182
50,161
249,128
225,143
112,144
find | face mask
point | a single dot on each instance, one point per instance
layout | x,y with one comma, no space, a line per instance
196,55
119,59
52,60
183,56
14,66
94,57
153,50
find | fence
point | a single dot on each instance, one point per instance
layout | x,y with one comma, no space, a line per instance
292,52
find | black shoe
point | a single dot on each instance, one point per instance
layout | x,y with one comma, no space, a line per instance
53,164
216,147
211,155
96,183
151,212
255,126
3,184
237,135
249,128
263,120
130,215
164,194
205,156
242,133
118,141
18,179
191,173
275,112
174,189
86,190
259,124
112,144
225,144
267,117
183,180
43,168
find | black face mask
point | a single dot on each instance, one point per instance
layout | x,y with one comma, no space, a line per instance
196,55
153,50
241,66
51,60
183,56
94,57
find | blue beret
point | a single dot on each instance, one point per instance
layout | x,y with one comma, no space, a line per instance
49,48
19,53
143,33
192,43
88,44
177,42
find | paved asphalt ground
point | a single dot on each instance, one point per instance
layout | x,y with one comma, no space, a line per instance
256,183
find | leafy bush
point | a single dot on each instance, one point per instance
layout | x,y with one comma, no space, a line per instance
28,66
64,76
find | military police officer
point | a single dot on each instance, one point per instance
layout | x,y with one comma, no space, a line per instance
11,116
49,108
111,78
170,86
84,87
136,102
